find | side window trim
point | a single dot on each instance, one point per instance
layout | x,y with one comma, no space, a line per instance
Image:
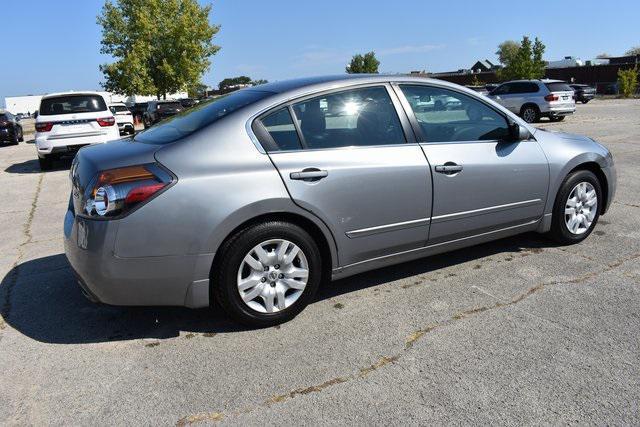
408,130
414,121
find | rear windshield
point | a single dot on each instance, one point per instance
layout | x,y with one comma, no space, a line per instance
72,104
169,105
198,117
558,87
119,109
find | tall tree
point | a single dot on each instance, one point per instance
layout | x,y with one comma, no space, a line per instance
230,82
159,46
367,63
633,51
507,51
527,63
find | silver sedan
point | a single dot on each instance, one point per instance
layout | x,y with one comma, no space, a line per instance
254,199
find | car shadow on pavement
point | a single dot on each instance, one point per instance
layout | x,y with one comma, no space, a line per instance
32,166
41,299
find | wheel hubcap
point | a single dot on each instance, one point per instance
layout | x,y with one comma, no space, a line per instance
529,115
581,208
272,276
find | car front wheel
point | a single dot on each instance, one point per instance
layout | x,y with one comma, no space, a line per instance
530,114
576,209
267,274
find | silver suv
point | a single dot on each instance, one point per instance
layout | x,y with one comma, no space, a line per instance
532,99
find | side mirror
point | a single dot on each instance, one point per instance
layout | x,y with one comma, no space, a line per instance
518,132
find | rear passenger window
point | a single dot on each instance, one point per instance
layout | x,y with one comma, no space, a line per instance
359,117
282,130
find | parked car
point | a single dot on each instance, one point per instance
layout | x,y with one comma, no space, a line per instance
124,118
532,99
188,102
252,200
160,110
69,121
583,93
10,128
138,110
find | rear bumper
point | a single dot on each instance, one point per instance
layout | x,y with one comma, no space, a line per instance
561,111
46,144
107,278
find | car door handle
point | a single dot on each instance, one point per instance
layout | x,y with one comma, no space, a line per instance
449,168
309,174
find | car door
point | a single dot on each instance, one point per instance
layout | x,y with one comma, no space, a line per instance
482,179
502,95
344,156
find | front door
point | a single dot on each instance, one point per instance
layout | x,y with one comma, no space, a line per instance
344,157
482,181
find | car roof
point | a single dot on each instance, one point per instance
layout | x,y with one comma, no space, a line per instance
53,95
331,81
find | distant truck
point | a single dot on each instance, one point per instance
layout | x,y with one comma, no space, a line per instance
568,61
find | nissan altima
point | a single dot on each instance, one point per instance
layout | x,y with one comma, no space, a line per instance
253,200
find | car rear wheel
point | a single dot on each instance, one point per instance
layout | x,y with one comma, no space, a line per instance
530,114
21,134
576,209
267,274
46,163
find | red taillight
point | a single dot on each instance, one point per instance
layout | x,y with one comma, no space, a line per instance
551,97
106,121
44,126
140,194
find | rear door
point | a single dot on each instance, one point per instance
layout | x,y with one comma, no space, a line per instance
504,96
344,156
482,182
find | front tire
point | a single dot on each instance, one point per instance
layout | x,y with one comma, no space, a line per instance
584,101
267,274
577,208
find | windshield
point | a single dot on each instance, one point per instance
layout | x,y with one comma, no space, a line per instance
199,116
72,104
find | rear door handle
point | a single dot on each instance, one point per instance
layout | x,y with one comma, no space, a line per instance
449,168
311,174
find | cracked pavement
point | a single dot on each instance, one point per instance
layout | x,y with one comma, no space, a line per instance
517,331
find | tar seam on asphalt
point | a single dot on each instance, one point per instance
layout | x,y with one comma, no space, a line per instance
409,343
5,309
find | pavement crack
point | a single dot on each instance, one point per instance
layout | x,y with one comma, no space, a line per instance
7,291
631,205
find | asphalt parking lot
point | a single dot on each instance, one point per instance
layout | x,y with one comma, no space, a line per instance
518,331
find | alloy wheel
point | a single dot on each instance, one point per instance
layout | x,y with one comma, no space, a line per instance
272,276
529,115
581,208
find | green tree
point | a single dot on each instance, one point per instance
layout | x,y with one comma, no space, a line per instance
232,82
259,82
527,63
628,81
507,51
198,90
159,46
633,51
366,63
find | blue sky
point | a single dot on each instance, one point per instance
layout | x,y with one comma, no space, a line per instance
54,45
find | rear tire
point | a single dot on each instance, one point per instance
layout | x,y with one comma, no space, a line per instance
584,101
557,118
560,231
46,163
21,139
530,113
232,270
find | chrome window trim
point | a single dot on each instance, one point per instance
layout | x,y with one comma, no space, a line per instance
387,227
482,211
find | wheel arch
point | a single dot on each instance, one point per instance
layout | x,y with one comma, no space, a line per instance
319,232
595,168
529,104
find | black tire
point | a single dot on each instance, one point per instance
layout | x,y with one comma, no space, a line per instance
21,138
584,101
557,118
46,163
530,113
559,230
224,290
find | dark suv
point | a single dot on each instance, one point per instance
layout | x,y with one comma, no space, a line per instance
160,110
10,129
583,93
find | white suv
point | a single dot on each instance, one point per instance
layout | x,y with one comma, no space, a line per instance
67,122
124,118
